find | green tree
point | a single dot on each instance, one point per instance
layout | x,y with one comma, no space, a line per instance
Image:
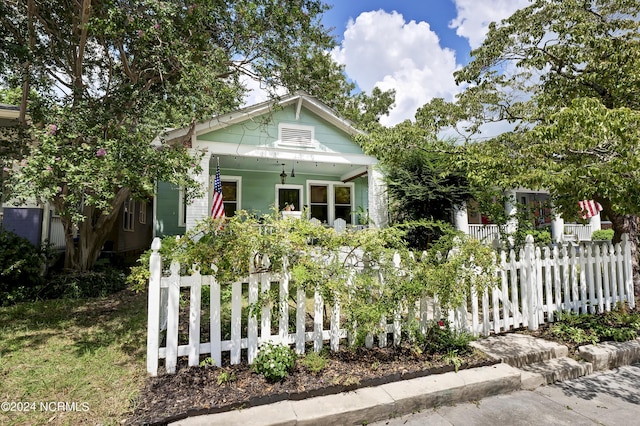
565,74
110,76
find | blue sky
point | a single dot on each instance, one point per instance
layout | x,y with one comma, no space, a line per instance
411,46
438,13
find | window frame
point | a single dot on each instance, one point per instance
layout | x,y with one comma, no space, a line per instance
331,205
223,179
300,189
142,213
128,215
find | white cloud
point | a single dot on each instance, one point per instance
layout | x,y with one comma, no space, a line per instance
475,16
382,49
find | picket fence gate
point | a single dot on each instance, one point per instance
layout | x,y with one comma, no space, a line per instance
532,288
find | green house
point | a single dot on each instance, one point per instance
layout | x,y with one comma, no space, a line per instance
295,154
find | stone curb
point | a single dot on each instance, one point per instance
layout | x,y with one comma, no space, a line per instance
372,404
608,355
366,405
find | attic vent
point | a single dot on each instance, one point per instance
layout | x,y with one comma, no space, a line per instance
296,135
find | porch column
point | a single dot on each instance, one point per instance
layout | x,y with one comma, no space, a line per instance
377,198
595,222
557,228
511,208
460,218
198,209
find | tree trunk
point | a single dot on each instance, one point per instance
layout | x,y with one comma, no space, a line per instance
627,224
92,234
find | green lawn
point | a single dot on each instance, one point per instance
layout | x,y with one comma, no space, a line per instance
91,353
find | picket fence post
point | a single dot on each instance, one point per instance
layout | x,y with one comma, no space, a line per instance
626,250
153,312
530,266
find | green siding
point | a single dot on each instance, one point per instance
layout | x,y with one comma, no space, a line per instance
258,193
167,214
265,132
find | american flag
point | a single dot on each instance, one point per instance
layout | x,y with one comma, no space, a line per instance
217,207
589,208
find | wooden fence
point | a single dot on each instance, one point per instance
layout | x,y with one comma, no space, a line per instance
534,284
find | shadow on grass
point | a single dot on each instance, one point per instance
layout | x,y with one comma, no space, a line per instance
119,319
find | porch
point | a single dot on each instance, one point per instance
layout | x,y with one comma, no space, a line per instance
471,222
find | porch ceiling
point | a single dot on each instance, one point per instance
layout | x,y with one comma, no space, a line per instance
275,165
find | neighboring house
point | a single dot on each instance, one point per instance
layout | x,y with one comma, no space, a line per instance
39,222
473,223
294,153
133,233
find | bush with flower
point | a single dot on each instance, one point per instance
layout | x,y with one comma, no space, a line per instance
274,362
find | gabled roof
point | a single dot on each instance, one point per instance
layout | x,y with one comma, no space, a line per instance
300,99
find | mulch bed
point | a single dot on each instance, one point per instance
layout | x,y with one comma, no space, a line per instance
196,390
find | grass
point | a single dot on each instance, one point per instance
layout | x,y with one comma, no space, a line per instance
91,353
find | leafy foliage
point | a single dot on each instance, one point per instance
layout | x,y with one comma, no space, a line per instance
562,74
602,234
82,285
619,325
440,338
315,362
102,81
22,268
274,361
359,270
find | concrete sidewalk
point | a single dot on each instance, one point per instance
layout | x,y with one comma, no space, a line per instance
608,398
526,363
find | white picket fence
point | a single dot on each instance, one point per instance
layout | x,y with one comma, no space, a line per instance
533,287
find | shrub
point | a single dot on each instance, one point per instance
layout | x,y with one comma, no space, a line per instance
80,285
440,338
22,268
602,235
274,361
314,362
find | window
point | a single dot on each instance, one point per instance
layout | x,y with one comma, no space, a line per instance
289,196
342,203
329,201
230,197
231,193
319,202
128,214
142,216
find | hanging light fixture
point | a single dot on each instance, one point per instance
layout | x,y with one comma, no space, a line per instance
283,176
293,172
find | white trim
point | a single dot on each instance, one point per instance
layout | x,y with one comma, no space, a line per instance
155,210
224,148
331,197
354,174
296,136
222,121
182,219
227,178
300,189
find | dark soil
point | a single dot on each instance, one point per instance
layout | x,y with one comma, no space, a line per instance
201,390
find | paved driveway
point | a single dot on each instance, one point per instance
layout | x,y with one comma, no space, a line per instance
606,398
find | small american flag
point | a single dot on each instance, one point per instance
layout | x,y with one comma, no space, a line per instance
589,208
217,207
